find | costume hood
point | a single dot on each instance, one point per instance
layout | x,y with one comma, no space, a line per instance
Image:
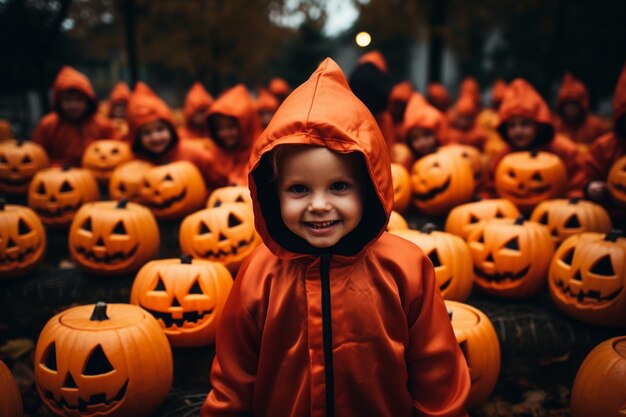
573,90
120,92
419,113
70,79
196,98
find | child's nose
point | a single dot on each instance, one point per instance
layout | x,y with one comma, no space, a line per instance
319,203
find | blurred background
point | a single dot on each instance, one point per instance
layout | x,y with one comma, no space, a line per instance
171,44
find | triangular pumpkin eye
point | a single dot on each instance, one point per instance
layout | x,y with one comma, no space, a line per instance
568,257
203,229
23,227
473,219
41,188
121,187
572,222
240,200
233,220
66,187
115,151
536,177
544,218
481,238
146,184
168,177
511,173
434,258
49,358
217,203
26,159
512,244
69,382
97,363
195,288
160,285
119,229
499,214
603,266
436,165
87,225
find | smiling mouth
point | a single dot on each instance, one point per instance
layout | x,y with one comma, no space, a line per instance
433,192
166,203
619,187
321,225
220,253
190,318
113,258
529,192
445,285
97,400
586,297
501,277
57,212
21,256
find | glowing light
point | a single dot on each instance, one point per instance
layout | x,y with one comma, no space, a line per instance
363,39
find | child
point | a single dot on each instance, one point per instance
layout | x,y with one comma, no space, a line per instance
463,128
266,106
488,118
334,316
67,131
279,88
438,96
118,107
197,103
398,100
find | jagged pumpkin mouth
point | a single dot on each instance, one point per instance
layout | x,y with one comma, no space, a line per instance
619,187
167,203
434,192
498,277
530,192
108,258
446,284
49,212
20,256
97,403
590,297
234,250
189,319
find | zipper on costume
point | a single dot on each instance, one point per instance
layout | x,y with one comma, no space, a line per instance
327,332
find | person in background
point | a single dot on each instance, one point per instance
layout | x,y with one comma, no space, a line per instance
197,103
74,123
266,105
438,96
279,88
398,99
462,120
118,107
488,118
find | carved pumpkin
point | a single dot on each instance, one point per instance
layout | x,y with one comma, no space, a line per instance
441,181
222,234
19,162
616,182
401,154
479,344
185,296
401,187
174,190
565,218
587,278
528,178
22,240
57,193
511,257
464,219
450,257
10,398
110,237
102,156
230,194
396,222
127,179
101,360
470,155
600,387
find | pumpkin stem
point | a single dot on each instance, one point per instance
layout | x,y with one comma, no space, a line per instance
66,167
450,313
185,259
534,153
612,237
574,200
520,220
99,312
428,228
122,203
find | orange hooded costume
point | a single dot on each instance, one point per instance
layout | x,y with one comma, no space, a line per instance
197,99
65,140
233,162
438,96
475,136
358,328
120,93
398,100
590,127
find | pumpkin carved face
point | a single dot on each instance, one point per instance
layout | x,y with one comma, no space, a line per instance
111,237
102,156
127,180
222,234
511,257
94,364
174,190
464,219
19,162
471,156
396,222
479,343
528,178
231,194
587,278
57,193
401,187
186,297
616,182
22,240
441,181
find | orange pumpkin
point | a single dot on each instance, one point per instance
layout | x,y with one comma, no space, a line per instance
22,240
464,219
401,154
186,297
19,162
222,234
174,190
127,179
511,257
102,156
450,257
57,193
565,218
479,343
396,222
113,238
441,181
616,182
401,187
470,155
103,361
10,398
230,194
587,278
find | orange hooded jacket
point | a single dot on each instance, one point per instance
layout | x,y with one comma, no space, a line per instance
197,99
438,96
238,104
65,140
475,136
590,126
389,350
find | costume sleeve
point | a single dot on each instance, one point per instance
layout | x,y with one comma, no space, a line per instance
438,375
575,170
236,358
598,160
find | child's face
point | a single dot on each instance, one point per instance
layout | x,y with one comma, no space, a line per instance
227,131
422,140
198,118
320,192
118,110
155,136
571,111
73,104
464,121
521,131
397,109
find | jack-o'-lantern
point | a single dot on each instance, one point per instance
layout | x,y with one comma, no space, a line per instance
464,219
396,222
10,398
565,218
101,360
401,187
102,156
587,278
19,162
230,194
57,193
441,181
113,238
223,234
174,190
127,179
401,154
616,182
479,343
472,156
599,388
450,257
185,296
528,178
511,257
22,240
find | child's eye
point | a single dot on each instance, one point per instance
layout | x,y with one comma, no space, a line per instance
297,188
339,186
